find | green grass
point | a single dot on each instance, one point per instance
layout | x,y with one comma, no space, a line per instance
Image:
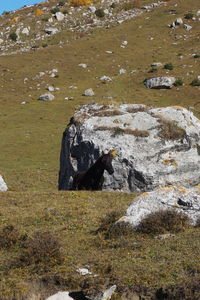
74,219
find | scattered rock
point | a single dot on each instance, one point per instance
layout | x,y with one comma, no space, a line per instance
1,41
47,97
156,146
187,27
82,65
25,31
52,88
156,64
92,8
84,271
122,71
178,21
59,16
88,92
160,82
51,30
175,198
3,186
105,79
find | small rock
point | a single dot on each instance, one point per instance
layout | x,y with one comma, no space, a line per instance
92,8
105,79
72,87
60,296
178,21
187,27
84,271
47,97
198,13
59,16
3,186
25,31
88,92
52,88
156,64
122,71
109,52
51,30
83,66
164,236
124,43
1,41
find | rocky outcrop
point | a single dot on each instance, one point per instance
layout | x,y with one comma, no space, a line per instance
156,146
179,199
3,186
105,295
160,82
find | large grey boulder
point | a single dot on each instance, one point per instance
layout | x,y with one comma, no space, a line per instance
160,82
156,146
3,186
179,199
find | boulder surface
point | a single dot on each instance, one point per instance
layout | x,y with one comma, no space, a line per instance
3,186
179,199
156,146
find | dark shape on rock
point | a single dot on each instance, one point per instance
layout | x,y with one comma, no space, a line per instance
93,179
78,295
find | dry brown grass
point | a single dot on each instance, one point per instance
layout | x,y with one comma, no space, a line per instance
164,221
169,130
108,113
120,131
138,109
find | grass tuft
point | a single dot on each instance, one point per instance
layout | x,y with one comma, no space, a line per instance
41,248
169,130
9,236
163,221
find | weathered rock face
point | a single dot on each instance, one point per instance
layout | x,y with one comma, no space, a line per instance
160,82
3,186
156,146
179,199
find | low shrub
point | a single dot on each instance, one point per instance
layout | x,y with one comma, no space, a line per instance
65,12
45,19
189,16
13,36
163,221
153,70
178,82
54,10
169,130
108,220
44,45
168,66
61,3
197,222
119,229
9,236
195,82
43,248
100,13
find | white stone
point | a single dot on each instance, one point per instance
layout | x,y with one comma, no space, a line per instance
187,27
47,97
1,41
50,20
51,30
82,65
84,271
59,16
156,64
179,21
3,186
175,198
92,8
198,13
105,79
60,296
88,92
25,31
106,11
122,71
52,88
124,43
160,82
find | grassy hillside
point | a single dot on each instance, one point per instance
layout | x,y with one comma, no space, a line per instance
30,139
